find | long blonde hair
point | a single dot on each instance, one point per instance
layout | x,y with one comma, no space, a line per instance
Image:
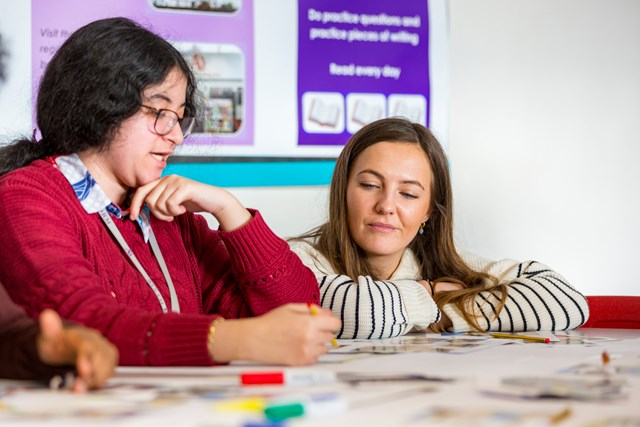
434,249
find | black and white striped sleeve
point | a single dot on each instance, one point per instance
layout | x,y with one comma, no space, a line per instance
538,299
370,309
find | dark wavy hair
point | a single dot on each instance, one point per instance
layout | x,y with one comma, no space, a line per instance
92,84
435,250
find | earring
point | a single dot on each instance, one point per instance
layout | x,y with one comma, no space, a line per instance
421,230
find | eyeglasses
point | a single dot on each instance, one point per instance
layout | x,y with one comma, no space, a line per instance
167,119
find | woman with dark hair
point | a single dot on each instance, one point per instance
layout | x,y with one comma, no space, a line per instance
93,230
386,262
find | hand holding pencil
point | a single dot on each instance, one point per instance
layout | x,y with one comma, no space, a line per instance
314,311
287,335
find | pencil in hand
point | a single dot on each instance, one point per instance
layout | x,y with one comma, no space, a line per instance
314,311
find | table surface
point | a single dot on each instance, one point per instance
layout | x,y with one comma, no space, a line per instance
473,395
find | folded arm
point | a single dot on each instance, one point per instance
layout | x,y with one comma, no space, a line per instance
538,299
368,308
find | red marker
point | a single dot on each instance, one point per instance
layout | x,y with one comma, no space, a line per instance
293,377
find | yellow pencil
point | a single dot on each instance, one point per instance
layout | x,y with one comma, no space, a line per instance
314,311
560,416
520,337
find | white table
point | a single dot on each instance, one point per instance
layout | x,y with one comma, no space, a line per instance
369,404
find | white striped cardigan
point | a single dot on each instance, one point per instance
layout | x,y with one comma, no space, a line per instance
539,299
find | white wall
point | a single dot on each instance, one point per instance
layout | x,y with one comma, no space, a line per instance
543,139
289,211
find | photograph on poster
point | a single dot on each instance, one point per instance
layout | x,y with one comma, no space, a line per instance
219,47
220,73
216,6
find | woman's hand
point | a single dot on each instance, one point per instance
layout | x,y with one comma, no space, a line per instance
436,287
428,285
94,357
173,195
287,335
446,286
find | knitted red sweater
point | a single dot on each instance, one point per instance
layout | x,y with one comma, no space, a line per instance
54,254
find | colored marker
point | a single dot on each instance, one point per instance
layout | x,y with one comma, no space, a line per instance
560,416
521,337
314,311
288,377
249,404
314,405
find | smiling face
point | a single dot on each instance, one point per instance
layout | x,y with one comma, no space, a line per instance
388,198
138,155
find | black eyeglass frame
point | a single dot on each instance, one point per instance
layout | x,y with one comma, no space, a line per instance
186,123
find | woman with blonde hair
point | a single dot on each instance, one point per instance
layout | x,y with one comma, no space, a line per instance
386,262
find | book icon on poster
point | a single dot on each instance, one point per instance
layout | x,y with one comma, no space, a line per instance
411,107
364,108
405,110
324,113
365,113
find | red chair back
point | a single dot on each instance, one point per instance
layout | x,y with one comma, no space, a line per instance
621,312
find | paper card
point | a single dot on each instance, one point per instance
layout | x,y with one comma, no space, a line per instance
462,416
385,378
560,388
617,366
454,344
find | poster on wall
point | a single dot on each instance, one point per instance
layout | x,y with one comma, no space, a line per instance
360,62
216,38
287,80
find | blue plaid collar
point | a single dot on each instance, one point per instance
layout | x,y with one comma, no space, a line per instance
92,198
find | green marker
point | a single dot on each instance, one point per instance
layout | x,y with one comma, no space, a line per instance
282,412
314,405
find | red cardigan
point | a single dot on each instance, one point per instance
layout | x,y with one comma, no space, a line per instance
54,254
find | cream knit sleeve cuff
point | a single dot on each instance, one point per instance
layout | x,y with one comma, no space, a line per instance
459,324
421,309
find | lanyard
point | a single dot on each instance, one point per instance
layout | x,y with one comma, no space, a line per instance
175,305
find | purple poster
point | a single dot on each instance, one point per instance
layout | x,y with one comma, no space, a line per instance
216,38
360,61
